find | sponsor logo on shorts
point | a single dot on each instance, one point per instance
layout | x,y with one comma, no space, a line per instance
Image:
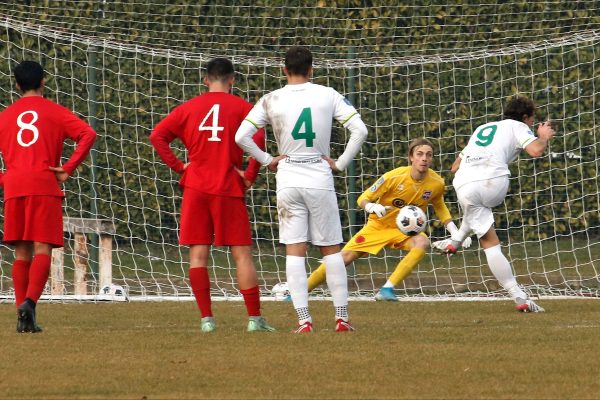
426,195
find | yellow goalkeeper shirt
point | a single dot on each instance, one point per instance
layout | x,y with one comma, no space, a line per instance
397,189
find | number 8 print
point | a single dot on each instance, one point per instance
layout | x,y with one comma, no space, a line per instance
27,127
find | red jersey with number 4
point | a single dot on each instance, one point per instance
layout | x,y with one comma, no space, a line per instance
207,125
32,132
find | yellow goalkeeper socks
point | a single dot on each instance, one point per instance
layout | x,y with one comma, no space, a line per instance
406,266
316,278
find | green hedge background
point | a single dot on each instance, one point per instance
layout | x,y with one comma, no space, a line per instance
411,70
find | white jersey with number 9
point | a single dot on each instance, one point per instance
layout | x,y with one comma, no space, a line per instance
490,149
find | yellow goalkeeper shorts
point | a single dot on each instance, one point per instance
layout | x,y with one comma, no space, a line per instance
372,238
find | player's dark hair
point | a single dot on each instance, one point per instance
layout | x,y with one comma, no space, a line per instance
517,107
416,143
219,69
298,60
29,75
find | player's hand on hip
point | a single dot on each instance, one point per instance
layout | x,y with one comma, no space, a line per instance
545,130
331,163
467,243
247,183
275,162
61,174
377,209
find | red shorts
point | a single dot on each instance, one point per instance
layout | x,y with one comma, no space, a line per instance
212,219
34,219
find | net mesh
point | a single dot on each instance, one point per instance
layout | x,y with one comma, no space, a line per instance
429,70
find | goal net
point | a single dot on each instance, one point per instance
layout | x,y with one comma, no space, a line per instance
411,71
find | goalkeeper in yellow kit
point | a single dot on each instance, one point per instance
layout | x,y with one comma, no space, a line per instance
415,184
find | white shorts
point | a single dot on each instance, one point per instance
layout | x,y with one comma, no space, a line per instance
308,215
477,200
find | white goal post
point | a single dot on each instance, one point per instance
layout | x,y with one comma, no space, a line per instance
549,224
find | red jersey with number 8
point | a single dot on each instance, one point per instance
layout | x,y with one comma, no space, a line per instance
32,132
206,125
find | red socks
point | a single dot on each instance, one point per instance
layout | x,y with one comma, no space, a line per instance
200,283
252,300
38,276
20,277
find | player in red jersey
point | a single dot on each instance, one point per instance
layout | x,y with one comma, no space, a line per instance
213,209
32,132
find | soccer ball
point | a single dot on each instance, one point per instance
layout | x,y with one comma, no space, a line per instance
115,291
280,291
411,220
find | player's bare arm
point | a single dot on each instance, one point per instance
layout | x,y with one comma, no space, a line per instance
331,163
455,164
545,133
242,174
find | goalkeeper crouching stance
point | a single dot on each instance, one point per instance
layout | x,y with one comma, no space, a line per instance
416,184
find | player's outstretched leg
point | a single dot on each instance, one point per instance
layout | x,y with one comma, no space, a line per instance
403,269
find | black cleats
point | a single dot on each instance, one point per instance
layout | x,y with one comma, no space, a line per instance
26,318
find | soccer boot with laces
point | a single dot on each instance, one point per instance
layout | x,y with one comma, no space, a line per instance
306,327
445,246
528,305
259,324
208,324
386,294
343,326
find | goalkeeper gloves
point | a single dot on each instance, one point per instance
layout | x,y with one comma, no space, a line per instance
375,208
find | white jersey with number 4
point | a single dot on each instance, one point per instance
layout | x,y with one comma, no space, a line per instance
301,117
490,149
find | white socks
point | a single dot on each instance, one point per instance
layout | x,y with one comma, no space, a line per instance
297,280
501,269
337,281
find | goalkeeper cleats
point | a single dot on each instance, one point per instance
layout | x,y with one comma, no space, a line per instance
259,324
306,327
528,305
386,294
26,318
445,246
343,326
208,324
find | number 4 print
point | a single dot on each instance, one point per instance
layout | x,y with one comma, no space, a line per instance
305,120
214,128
